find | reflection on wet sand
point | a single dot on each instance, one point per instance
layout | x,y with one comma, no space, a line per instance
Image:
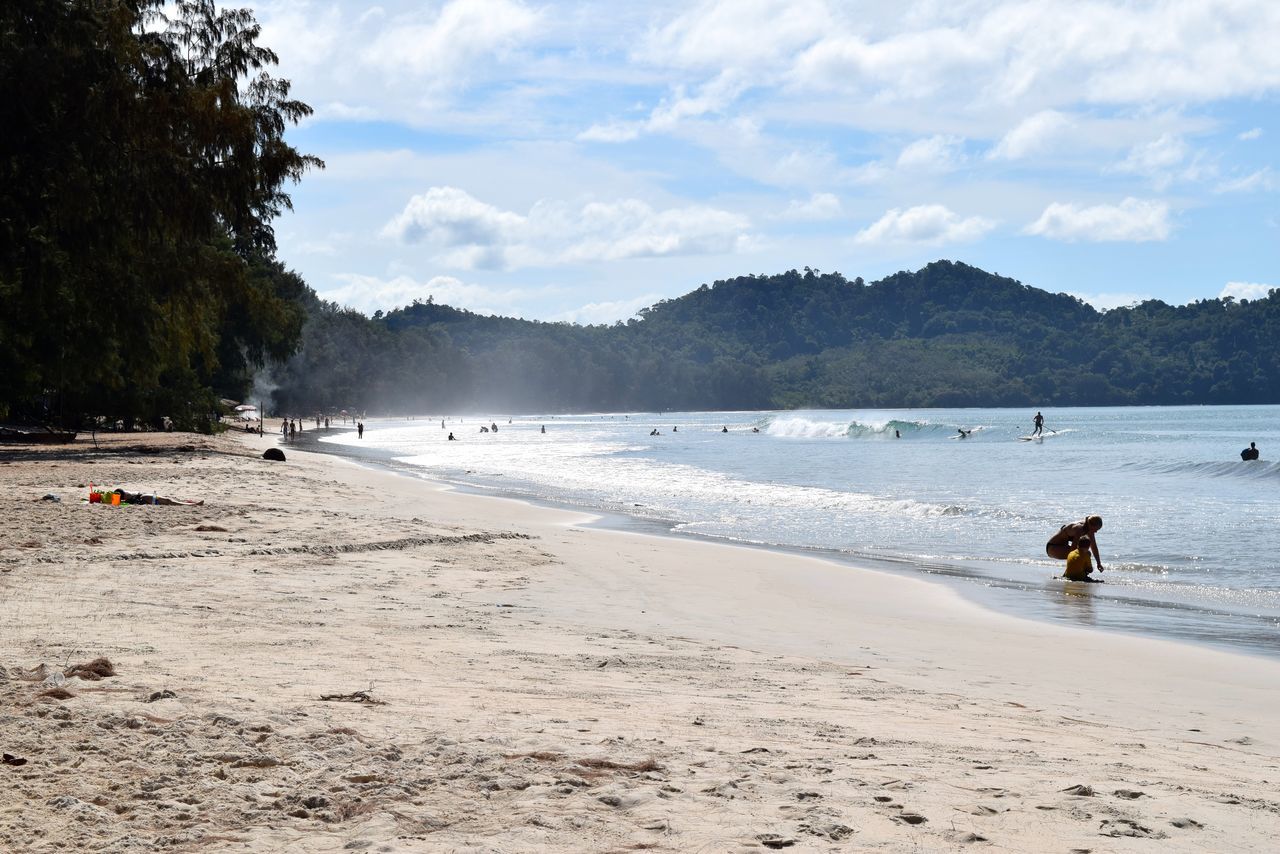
1076,601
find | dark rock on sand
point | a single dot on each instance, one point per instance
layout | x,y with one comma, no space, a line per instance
273,454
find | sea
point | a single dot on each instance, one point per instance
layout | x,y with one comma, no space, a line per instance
1190,541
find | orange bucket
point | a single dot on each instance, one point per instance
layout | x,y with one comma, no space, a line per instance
115,499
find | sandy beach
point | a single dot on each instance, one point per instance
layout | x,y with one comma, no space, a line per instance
324,657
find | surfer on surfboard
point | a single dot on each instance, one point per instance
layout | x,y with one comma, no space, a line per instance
1038,421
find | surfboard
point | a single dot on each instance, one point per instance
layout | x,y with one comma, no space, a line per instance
1044,435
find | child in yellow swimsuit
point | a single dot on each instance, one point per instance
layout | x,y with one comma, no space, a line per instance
1080,562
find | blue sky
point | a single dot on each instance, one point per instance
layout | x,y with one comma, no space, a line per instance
578,161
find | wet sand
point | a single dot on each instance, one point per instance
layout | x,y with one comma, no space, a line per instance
516,680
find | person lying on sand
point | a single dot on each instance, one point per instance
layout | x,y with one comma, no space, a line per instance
141,498
1061,544
1079,566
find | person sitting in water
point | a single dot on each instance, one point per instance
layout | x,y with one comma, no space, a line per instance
755,429
451,438
1069,537
654,432
1250,453
484,429
724,429
1079,567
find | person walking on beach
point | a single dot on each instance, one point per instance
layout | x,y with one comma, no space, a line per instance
1071,536
1250,453
1038,424
1078,565
360,430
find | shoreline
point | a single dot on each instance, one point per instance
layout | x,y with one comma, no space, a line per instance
1173,621
556,687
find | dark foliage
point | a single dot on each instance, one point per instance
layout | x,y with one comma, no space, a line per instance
141,163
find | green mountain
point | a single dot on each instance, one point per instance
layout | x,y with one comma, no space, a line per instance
946,335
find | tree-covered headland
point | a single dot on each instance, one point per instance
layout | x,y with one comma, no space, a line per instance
946,335
142,160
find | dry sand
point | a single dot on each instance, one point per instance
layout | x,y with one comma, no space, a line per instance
543,686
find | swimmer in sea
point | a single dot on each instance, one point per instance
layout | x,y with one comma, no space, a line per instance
1070,536
964,434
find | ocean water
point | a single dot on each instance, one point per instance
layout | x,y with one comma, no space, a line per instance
1190,540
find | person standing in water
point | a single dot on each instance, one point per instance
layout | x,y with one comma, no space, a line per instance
1250,453
1038,424
1074,535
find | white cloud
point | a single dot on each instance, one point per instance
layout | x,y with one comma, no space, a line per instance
472,234
1035,134
1262,180
1246,290
1047,52
1164,160
927,224
939,153
1254,133
737,34
819,206
440,49
452,217
608,312
712,97
1132,220
1155,156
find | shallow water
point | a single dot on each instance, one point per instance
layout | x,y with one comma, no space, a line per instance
1189,539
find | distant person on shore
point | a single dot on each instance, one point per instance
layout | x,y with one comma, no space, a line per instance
1038,424
1079,567
1250,453
293,429
544,428
360,430
1070,536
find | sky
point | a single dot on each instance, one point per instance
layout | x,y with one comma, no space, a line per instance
573,161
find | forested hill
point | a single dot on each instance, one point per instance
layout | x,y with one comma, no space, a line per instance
946,335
